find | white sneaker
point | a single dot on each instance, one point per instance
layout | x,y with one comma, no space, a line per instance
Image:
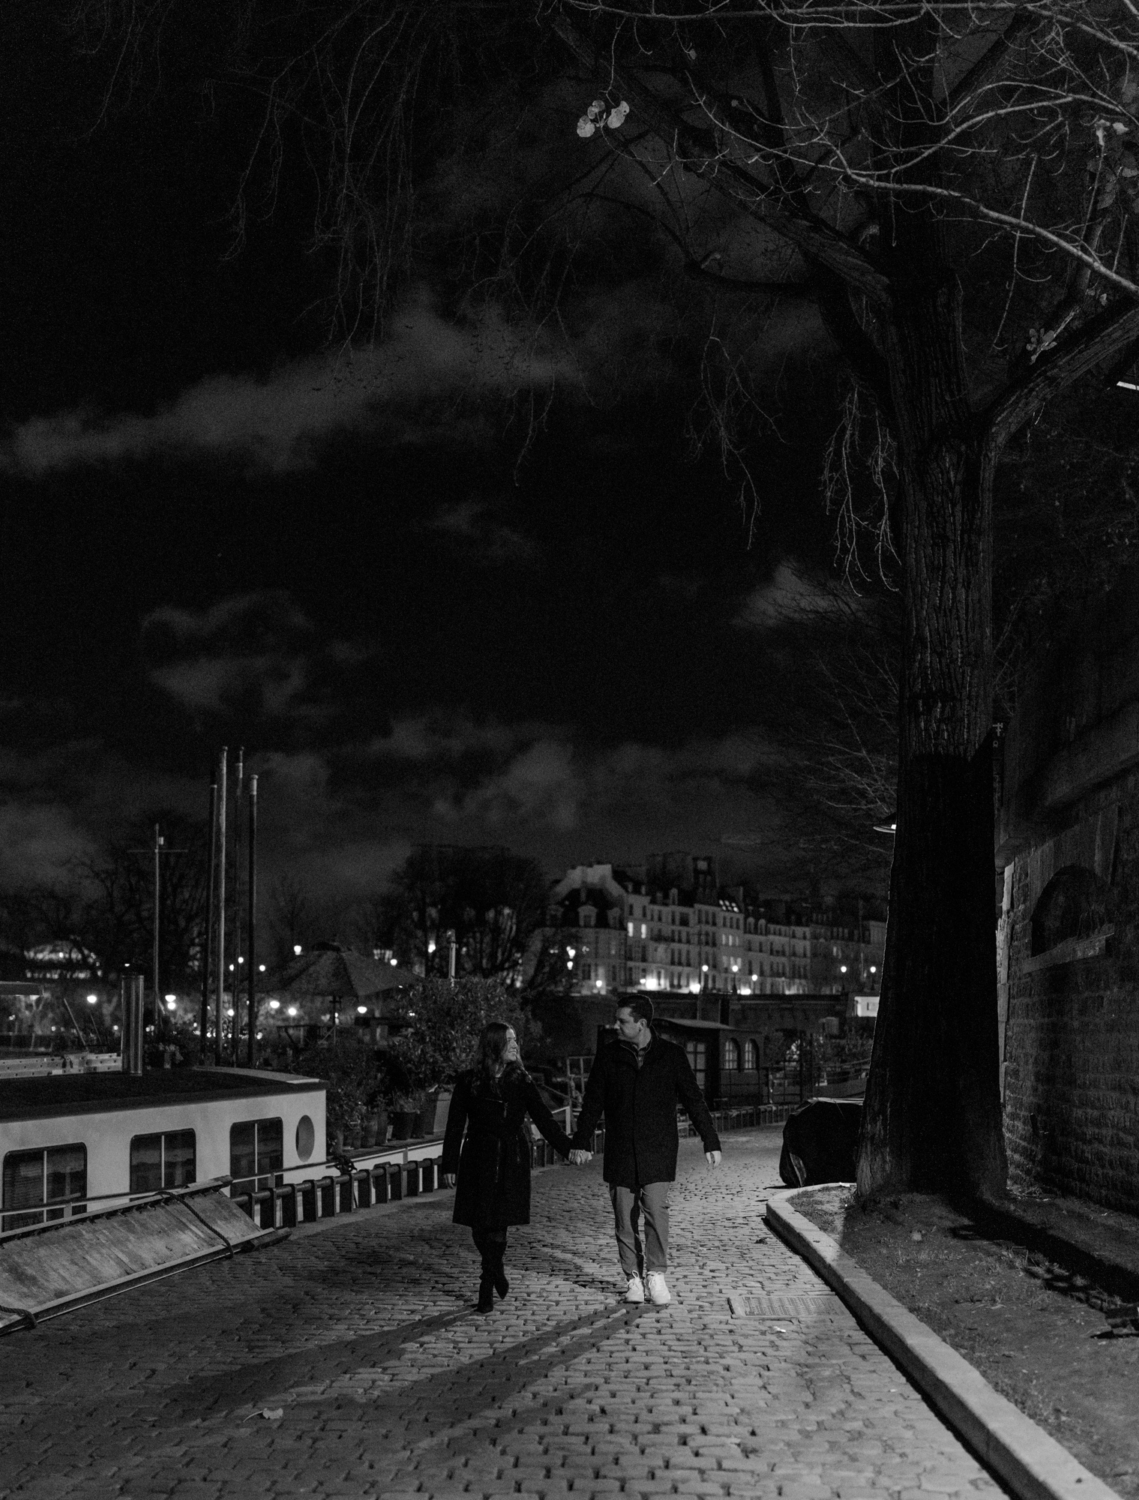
636,1291
659,1293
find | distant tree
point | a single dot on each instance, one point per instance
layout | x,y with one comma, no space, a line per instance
829,762
492,903
296,918
121,912
33,915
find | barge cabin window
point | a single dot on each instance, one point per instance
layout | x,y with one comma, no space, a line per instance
166,1160
256,1155
33,1180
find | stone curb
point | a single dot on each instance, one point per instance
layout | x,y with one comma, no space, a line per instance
1023,1455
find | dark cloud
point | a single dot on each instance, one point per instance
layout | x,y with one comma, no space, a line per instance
405,387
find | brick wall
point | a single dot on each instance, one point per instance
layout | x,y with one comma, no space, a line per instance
1070,981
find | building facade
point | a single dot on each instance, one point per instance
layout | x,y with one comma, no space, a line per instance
671,928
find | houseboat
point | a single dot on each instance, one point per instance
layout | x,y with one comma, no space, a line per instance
74,1140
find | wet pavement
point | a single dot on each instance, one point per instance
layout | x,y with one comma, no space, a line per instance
349,1361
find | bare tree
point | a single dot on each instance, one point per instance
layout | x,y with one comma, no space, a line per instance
120,912
829,762
954,186
490,902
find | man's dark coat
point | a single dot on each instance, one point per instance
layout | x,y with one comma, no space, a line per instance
639,1105
493,1166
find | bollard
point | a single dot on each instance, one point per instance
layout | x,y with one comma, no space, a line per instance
262,1209
308,1206
284,1206
364,1189
380,1184
328,1197
244,1201
345,1198
412,1188
427,1175
395,1181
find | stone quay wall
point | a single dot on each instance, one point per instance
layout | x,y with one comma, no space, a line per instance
1068,948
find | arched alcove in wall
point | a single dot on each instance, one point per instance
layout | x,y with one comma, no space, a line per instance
1073,905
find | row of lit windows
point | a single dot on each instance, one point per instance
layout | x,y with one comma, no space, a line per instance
736,1061
50,1182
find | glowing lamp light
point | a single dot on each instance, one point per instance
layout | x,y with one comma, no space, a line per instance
361,1010
229,1012
842,968
292,1010
261,968
171,1001
92,999
274,1005
873,968
297,949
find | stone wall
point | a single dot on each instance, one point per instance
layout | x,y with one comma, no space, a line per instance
1069,933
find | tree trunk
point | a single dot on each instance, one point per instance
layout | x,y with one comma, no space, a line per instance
932,1118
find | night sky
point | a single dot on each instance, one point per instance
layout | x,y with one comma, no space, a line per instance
425,620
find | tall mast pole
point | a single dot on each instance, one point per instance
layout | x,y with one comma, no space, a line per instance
252,924
158,843
238,789
219,993
208,952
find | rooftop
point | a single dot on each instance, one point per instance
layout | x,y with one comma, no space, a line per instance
87,1093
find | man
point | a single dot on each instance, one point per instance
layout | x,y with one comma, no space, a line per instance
636,1082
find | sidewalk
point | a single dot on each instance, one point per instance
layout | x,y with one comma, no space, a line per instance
360,1332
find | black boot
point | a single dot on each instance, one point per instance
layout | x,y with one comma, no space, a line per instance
498,1275
486,1292
486,1249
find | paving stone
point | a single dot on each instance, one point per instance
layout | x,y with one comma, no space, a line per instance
361,1330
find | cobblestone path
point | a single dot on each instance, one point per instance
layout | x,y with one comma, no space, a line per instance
360,1332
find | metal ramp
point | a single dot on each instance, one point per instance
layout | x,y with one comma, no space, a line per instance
51,1268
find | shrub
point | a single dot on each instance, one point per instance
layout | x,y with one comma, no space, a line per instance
442,1025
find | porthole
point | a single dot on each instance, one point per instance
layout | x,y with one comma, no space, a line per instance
306,1137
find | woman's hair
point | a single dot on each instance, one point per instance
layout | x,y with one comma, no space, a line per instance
490,1055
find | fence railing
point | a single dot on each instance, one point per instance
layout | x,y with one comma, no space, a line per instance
325,1197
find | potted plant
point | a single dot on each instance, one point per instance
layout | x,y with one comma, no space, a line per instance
404,1115
375,1122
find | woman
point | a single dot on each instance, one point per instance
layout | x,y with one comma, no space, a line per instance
491,1100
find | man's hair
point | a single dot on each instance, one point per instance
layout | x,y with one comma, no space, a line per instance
640,1006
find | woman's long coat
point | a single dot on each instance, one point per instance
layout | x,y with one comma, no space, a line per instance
493,1164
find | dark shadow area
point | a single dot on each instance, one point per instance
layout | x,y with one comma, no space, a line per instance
1074,1269
482,1385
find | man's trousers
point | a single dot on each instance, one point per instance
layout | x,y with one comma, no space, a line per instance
629,1205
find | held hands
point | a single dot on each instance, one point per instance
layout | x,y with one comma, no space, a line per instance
580,1158
713,1158
449,1179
